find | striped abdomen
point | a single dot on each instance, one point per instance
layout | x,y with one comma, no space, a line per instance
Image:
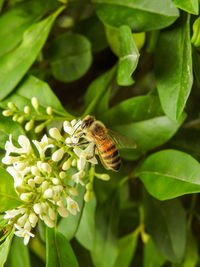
108,153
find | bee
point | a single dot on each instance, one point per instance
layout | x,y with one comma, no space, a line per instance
104,140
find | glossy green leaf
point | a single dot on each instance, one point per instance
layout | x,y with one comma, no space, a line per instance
170,173
140,15
19,254
69,226
166,223
70,56
148,134
191,253
97,90
15,64
86,229
152,257
129,56
31,87
7,126
8,196
127,247
105,249
173,67
4,249
93,29
15,21
133,110
190,6
59,250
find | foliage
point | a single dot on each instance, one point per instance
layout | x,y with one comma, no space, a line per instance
135,66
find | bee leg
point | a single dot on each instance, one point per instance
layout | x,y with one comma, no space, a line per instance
82,134
78,144
93,154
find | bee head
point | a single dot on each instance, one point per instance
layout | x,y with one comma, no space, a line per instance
87,121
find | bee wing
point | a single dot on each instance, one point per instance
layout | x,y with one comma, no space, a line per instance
122,141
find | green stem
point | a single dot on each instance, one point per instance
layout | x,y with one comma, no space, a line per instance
38,248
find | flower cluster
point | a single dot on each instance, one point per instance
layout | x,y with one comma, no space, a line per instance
28,116
46,174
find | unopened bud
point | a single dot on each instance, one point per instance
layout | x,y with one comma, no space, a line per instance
58,154
33,219
49,110
48,193
74,162
52,214
55,181
48,221
88,196
29,125
35,171
103,176
62,175
27,226
63,212
27,110
38,179
73,191
54,132
26,196
37,208
31,182
15,117
66,165
39,128
46,167
22,220
7,113
60,203
11,105
45,185
20,119
35,102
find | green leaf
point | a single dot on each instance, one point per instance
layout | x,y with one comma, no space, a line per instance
164,176
140,15
148,134
15,64
196,29
93,29
15,21
3,222
19,254
70,56
59,250
190,6
31,87
166,223
127,247
69,226
97,90
8,126
4,248
129,56
152,256
132,110
173,67
105,249
86,229
8,196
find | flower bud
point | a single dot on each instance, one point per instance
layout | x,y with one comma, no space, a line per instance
62,175
73,191
11,105
48,193
31,182
60,203
48,221
20,189
66,165
89,186
27,110
52,214
27,226
44,206
54,132
7,113
22,220
20,119
57,188
26,196
63,212
33,219
15,117
35,171
74,162
45,185
49,110
39,128
104,176
38,179
46,167
58,154
37,208
35,102
55,181
88,196
20,166
29,125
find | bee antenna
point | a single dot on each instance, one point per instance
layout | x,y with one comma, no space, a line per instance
76,127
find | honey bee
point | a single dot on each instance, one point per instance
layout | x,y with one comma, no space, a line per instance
105,141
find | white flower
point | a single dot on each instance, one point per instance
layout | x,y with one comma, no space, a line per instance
12,213
22,140
24,143
48,221
72,206
43,145
52,214
33,219
58,154
63,212
71,128
17,176
84,154
23,233
22,220
9,159
77,177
